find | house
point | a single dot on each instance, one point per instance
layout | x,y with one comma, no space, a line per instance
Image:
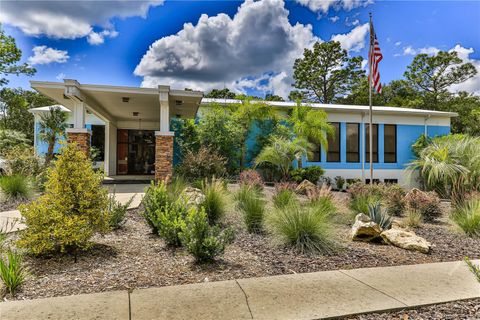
132,127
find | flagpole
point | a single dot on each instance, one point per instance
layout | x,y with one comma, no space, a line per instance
370,125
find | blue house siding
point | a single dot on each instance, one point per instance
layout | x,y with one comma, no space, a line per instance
42,146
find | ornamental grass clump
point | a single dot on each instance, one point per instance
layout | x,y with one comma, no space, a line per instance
283,198
72,210
467,217
15,187
475,269
203,241
215,199
305,229
249,201
12,271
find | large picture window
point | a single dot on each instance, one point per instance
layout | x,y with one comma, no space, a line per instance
374,142
390,143
333,154
353,142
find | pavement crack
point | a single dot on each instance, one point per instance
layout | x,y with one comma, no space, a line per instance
376,289
129,305
246,298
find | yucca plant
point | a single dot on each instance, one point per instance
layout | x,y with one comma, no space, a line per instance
467,217
379,216
12,271
304,229
473,268
15,187
250,203
214,203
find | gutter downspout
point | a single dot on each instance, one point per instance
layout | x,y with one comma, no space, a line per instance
426,126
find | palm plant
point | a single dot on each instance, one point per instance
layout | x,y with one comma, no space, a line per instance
53,126
450,165
282,152
311,125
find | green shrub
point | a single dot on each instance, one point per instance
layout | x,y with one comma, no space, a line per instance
427,203
15,187
214,203
394,199
473,268
23,161
117,211
250,203
201,164
339,182
203,241
380,216
467,217
11,139
72,210
156,198
283,198
312,174
305,229
170,220
12,271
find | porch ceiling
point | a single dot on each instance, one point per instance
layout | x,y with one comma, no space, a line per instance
120,103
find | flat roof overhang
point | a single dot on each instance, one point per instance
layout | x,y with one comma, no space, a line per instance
119,103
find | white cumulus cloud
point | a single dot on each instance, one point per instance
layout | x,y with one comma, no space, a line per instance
409,50
323,6
256,48
354,40
46,55
71,19
334,19
472,85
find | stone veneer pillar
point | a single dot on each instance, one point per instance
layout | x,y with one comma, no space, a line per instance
81,137
163,155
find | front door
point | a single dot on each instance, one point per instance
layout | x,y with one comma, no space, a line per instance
136,152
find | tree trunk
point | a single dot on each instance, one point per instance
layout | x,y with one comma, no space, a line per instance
51,146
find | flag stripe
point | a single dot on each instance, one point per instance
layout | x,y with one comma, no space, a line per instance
375,56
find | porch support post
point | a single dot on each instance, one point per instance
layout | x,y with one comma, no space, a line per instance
164,138
110,164
79,134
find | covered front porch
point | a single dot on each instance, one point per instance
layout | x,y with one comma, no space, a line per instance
137,138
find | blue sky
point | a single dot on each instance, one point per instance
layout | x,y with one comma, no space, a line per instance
249,47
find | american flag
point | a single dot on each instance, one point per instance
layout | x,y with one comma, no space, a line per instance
375,56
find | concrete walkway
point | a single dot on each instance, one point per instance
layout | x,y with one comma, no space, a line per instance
297,296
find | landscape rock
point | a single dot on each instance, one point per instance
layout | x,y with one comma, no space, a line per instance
406,240
364,229
304,186
194,196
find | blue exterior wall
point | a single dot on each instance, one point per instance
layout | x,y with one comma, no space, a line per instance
42,146
406,136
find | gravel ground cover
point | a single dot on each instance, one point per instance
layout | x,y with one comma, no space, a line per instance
132,257
457,310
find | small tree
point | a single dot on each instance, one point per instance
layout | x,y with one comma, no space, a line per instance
53,127
72,210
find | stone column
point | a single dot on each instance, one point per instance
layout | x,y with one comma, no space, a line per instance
81,137
163,155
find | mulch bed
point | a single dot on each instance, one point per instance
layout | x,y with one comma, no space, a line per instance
132,257
9,205
458,310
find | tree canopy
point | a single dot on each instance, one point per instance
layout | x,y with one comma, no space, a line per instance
10,55
326,72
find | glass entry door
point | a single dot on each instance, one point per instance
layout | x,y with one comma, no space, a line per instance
136,152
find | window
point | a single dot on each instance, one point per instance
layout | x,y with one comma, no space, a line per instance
390,181
315,156
374,142
98,141
390,143
333,154
353,142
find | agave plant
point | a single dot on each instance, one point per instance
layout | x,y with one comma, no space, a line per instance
380,216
